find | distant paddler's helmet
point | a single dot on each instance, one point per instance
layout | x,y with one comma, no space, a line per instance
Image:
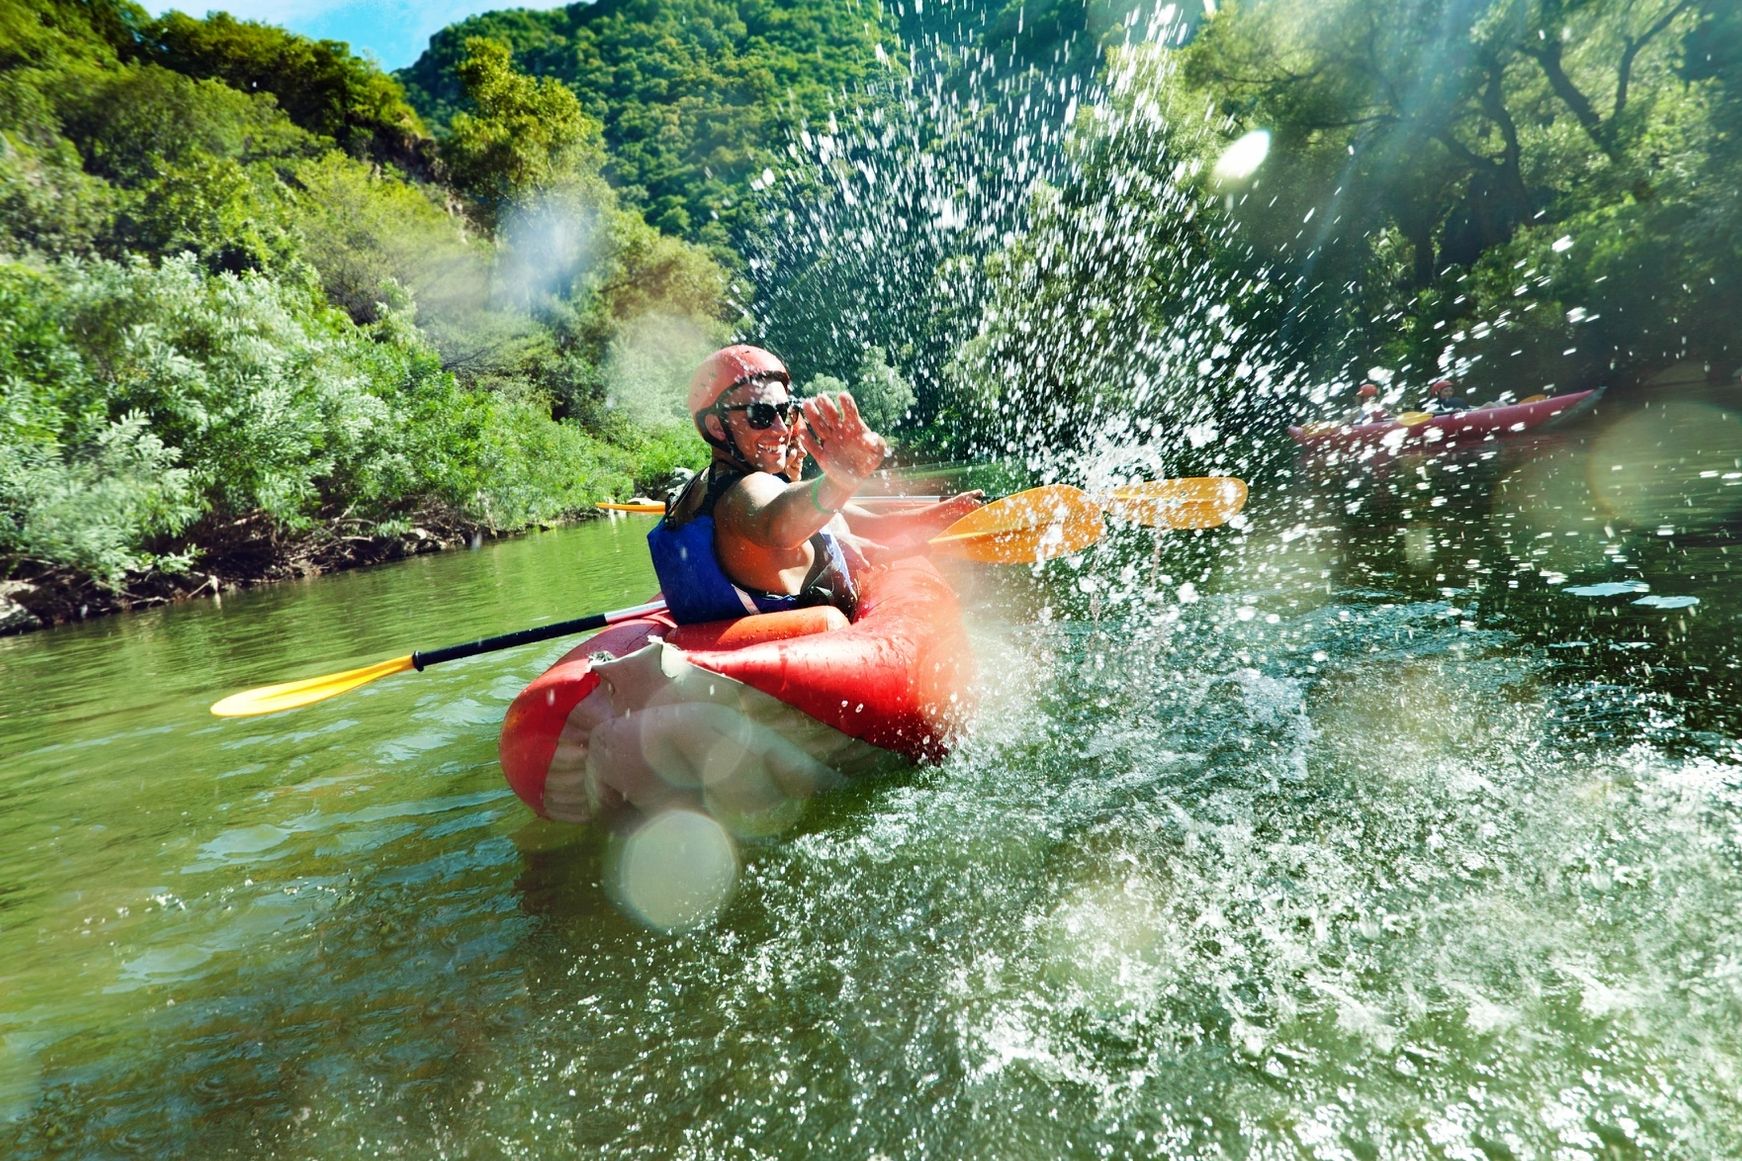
725,369
1368,390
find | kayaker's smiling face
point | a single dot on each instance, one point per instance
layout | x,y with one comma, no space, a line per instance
765,401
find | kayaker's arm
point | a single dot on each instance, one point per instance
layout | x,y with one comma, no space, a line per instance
882,537
879,552
919,523
767,511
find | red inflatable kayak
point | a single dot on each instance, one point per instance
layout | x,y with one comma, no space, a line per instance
743,717
1418,431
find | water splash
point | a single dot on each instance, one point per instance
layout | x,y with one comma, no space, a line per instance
1032,248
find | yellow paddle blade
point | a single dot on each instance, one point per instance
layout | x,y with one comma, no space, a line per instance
1201,502
1036,525
612,506
269,699
1533,399
1414,418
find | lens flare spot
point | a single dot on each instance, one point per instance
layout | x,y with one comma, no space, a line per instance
1242,159
676,871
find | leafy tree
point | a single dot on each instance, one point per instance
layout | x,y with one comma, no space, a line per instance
233,217
883,397
381,242
319,84
131,124
115,159
1414,141
652,311
49,203
524,137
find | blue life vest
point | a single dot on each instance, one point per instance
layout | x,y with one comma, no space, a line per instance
696,586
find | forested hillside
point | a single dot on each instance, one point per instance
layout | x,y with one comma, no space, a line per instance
255,319
696,96
725,119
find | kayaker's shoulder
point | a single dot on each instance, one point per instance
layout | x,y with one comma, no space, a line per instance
745,496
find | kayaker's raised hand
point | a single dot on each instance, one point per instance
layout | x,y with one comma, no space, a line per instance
836,436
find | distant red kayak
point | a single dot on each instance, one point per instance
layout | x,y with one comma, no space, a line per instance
1420,432
742,717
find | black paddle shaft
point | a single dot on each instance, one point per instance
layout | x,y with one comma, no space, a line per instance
426,657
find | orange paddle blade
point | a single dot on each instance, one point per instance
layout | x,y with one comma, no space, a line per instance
269,699
1031,526
1200,502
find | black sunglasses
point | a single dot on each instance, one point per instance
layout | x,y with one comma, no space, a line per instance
761,415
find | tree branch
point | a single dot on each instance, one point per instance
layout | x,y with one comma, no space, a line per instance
1624,74
1494,104
1547,53
1458,148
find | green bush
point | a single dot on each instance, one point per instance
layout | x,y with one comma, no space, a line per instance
141,400
78,488
530,470
91,509
659,454
237,314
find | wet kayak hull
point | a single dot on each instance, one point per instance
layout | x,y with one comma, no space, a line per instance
742,717
1460,429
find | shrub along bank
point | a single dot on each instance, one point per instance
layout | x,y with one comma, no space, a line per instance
166,427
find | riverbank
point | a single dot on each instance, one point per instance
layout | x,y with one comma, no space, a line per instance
248,553
245,555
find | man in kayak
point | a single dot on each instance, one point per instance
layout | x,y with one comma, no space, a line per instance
742,537
1442,398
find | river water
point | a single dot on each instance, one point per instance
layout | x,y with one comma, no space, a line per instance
1403,821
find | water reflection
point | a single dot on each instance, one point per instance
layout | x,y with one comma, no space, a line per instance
1610,544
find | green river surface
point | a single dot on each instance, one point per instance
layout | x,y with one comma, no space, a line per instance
1404,820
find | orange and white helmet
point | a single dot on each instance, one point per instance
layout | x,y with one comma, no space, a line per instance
725,369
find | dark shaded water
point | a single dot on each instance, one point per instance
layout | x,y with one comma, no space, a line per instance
1405,821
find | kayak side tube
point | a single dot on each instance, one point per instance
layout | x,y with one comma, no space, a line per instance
743,718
